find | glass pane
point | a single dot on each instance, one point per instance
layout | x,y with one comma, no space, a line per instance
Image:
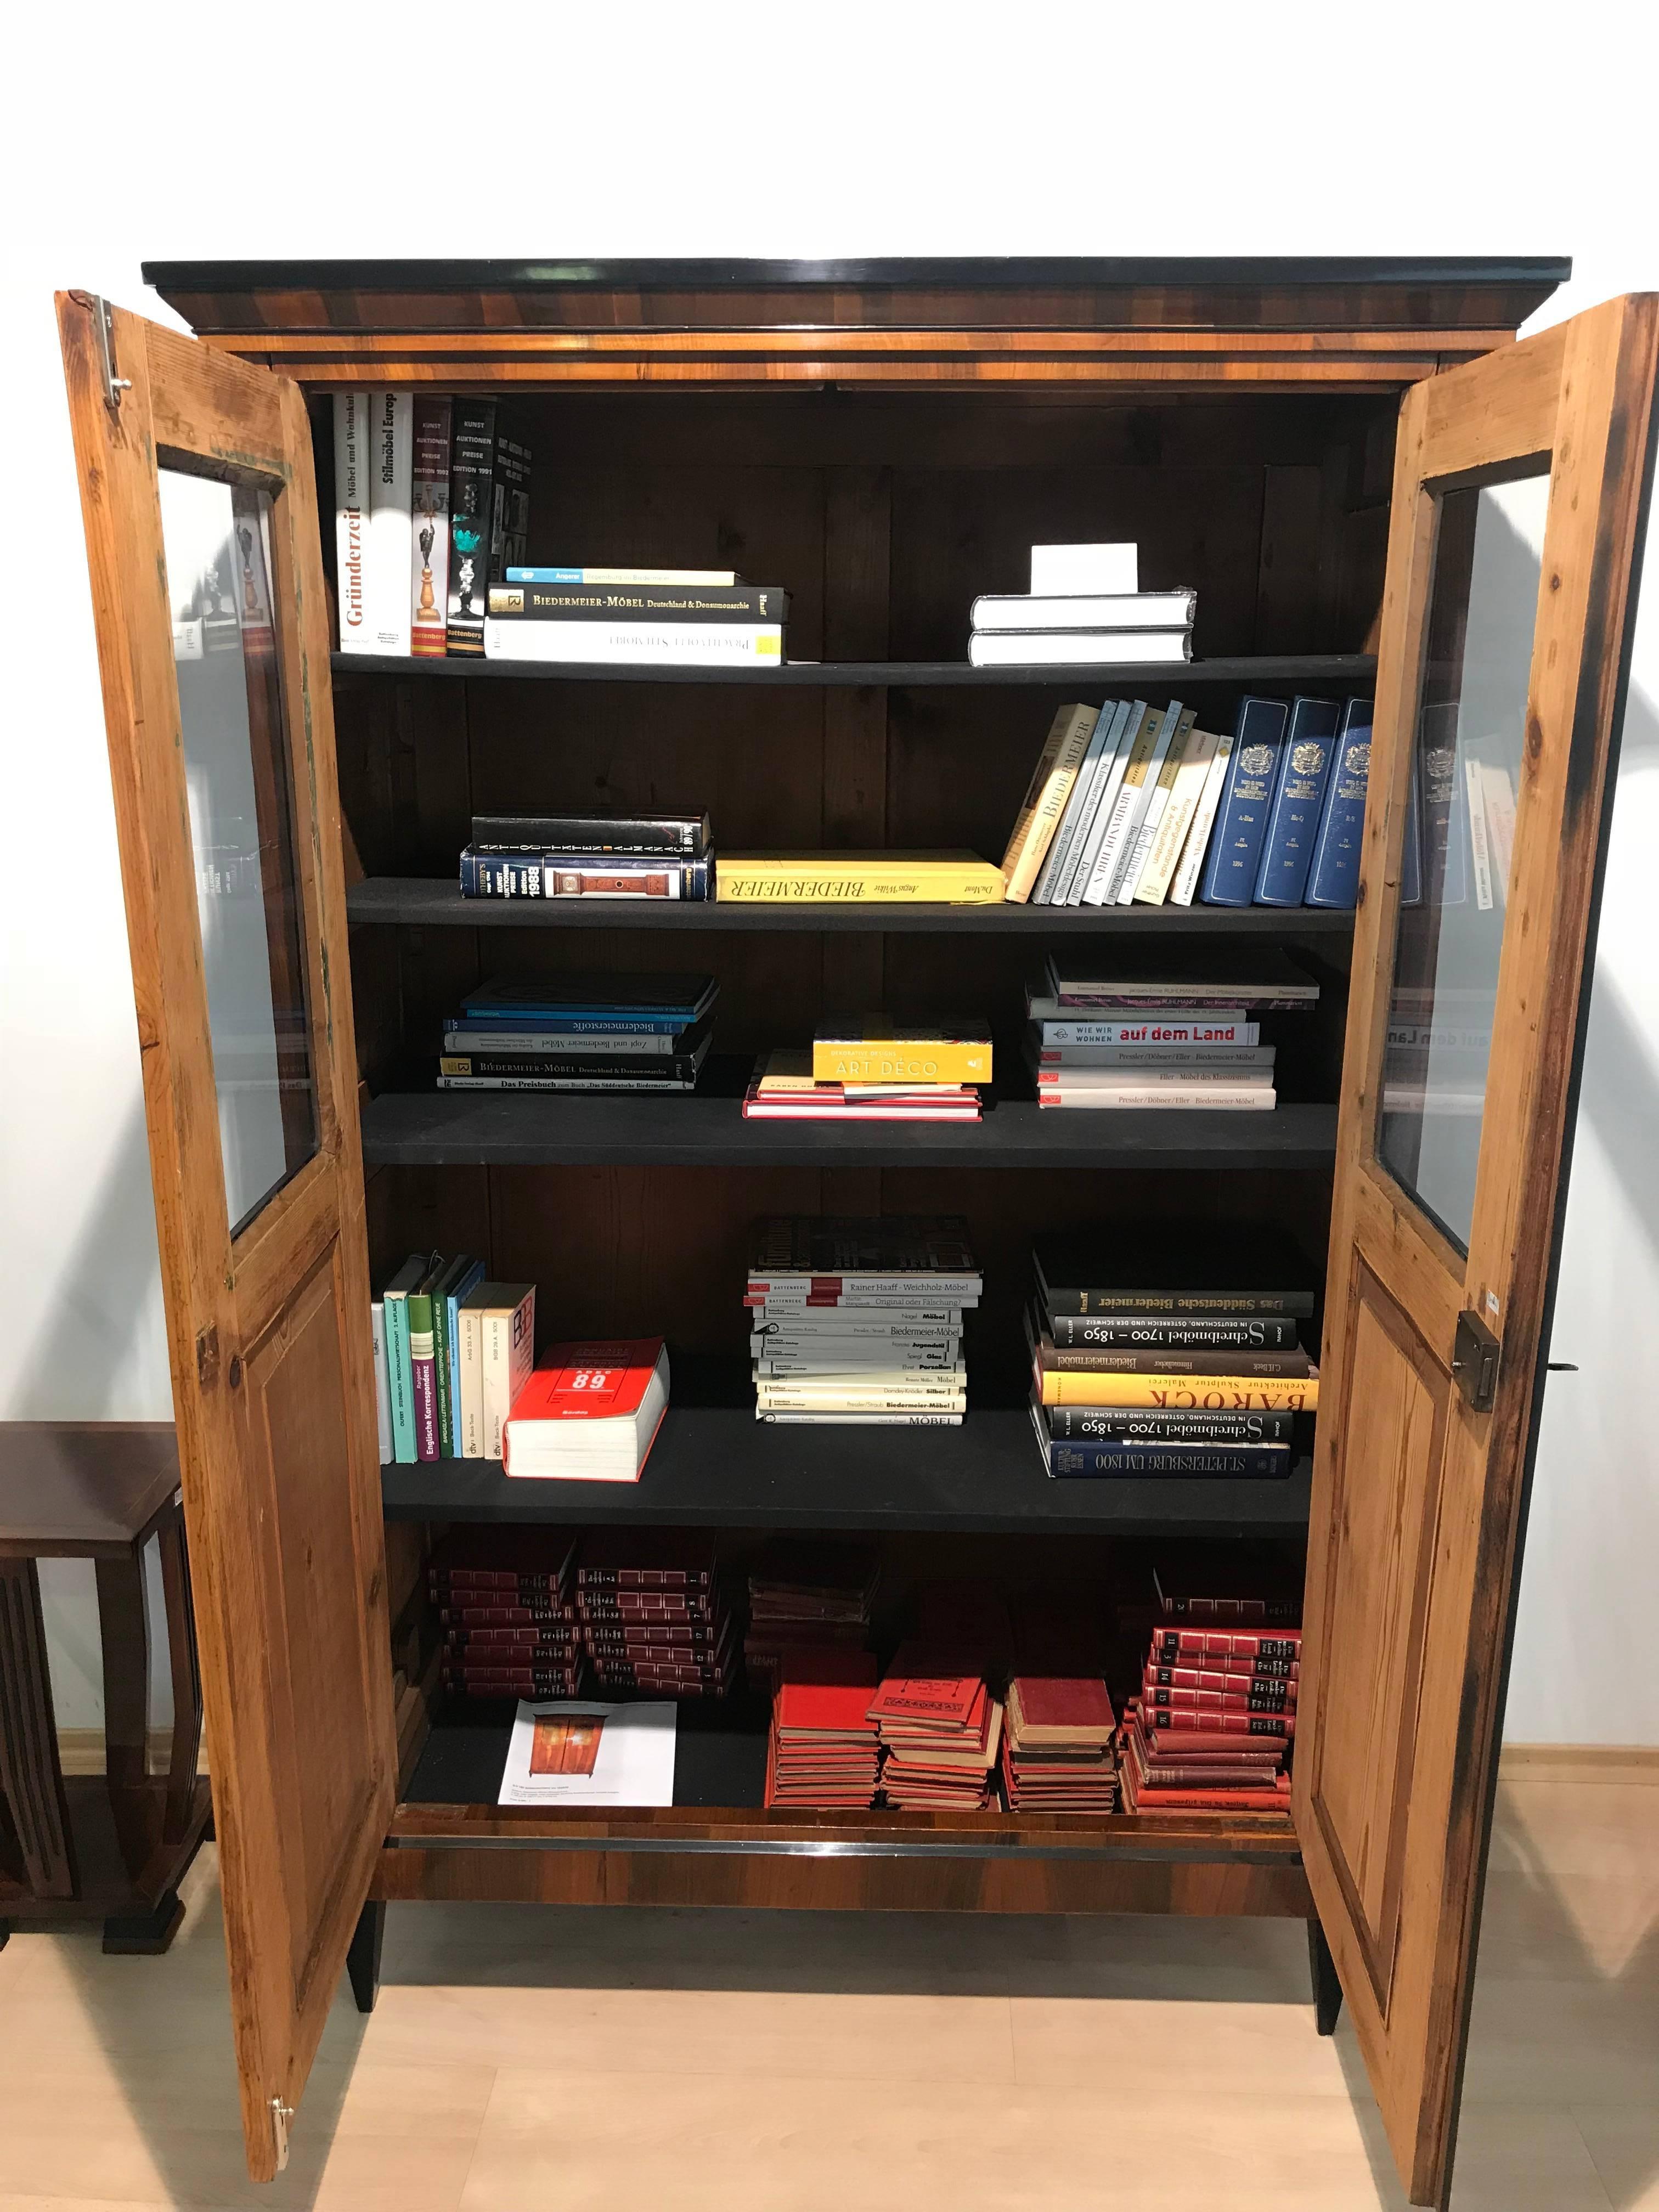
1459,841
217,541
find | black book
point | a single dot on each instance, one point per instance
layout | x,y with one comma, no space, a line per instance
1156,1426
569,1067
1163,1267
687,836
489,514
1225,1332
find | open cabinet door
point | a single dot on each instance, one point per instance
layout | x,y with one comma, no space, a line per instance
1518,496
202,536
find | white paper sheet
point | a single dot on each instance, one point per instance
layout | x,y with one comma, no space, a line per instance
574,1750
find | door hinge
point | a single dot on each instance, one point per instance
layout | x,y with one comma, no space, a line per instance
103,324
1474,1362
280,2114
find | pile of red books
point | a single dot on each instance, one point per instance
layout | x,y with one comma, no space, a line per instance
940,1730
824,1748
808,1593
653,1616
1057,1745
1214,1723
504,1604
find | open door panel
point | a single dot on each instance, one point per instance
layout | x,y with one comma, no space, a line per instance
1519,490
201,537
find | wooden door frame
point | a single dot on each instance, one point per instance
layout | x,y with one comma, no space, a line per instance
181,402
1554,394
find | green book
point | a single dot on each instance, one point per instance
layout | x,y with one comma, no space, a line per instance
400,1379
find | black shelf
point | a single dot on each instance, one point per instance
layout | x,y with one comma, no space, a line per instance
435,902
706,1128
1354,670
719,1751
717,1466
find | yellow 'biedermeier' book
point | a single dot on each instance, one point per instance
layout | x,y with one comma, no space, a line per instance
1045,798
874,1049
950,878
1180,1394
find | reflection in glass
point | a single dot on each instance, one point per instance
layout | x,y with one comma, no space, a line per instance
217,542
1459,841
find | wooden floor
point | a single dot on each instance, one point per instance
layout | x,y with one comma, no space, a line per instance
523,2058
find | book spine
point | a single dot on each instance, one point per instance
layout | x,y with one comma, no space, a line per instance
1114,770
1167,1360
1480,849
497,1405
1175,1721
642,644
471,488
1333,877
1068,1060
422,1354
1442,831
1280,1698
1175,1644
574,1067
1062,846
1260,1333
1184,888
646,1047
566,875
1500,826
400,1380
1229,1676
679,836
1062,756
1191,774
894,1059
382,1380
674,578
1162,776
565,1082
1098,1456
579,1026
1235,859
442,1377
638,603
1124,1097
1208,1800
458,1421
351,509
1133,1031
433,414
1126,1425
509,538
1122,812
391,460
472,1421
1299,799
1238,1393
891,882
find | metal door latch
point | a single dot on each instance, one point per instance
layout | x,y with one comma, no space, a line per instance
103,324
280,2114
1474,1362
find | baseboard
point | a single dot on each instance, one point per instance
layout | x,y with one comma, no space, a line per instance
81,1750
1580,1762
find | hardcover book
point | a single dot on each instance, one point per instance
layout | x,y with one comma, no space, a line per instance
1184,888
1064,750
1188,775
471,505
684,836
1334,876
351,512
1297,802
1095,649
1085,611
391,422
875,1049
1210,978
640,603
1142,763
1056,870
959,879
1162,780
1235,857
590,1412
646,644
1136,717
1145,1268
400,1376
433,414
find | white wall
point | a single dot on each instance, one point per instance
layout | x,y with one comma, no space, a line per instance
860,130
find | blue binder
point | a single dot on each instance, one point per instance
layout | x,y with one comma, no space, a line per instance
1334,878
1235,856
1297,802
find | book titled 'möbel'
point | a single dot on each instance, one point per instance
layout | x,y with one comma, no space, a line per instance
590,1412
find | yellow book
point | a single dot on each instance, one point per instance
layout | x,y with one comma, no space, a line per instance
951,878
878,1050
1045,798
1180,1394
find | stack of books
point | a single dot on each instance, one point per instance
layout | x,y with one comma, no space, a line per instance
654,1617
504,1602
1057,1744
580,1032
452,1354
896,879
824,1748
876,1069
1166,1355
1291,807
543,856
940,1730
1174,1030
645,618
1214,1721
1084,609
431,507
860,1320
807,1594
589,1412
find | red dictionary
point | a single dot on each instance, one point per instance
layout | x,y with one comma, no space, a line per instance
1170,1643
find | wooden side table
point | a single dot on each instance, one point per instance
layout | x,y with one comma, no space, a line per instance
113,1848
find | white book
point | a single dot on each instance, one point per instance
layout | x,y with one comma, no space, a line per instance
1061,843
1168,845
807,1366
1058,1026
1190,866
1067,1057
1081,648
1480,844
1127,864
382,1380
661,645
1111,783
1162,783
1062,571
469,1322
1086,610
351,519
1119,723
1145,757
861,1420
508,1354
1239,1099
1188,1074
390,492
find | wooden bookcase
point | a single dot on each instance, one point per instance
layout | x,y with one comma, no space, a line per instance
887,440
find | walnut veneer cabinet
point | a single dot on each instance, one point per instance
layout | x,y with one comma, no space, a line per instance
1372,485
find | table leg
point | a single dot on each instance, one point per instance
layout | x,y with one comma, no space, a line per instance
187,1678
30,1776
124,1626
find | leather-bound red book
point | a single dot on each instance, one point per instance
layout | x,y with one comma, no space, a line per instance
1226,1673
1171,1644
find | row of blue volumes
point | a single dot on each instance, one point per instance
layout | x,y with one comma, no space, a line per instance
1292,815
580,1032
1163,1354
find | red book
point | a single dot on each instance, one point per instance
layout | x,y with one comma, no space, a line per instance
1282,1701
589,1412
503,1616
1169,1644
1226,1674
550,1634
1206,1801
1170,1720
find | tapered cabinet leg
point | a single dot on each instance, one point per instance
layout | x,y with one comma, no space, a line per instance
1326,1989
124,1625
31,1779
363,1959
